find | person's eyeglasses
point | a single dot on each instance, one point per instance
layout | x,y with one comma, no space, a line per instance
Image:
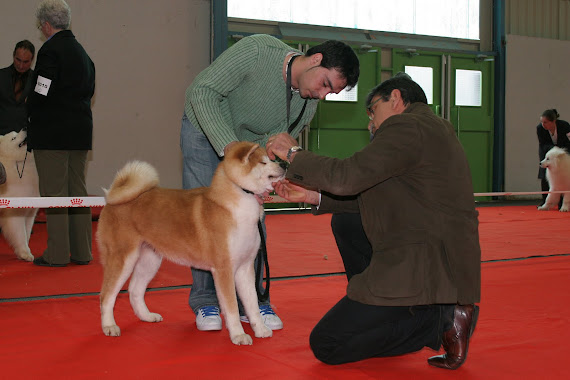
39,25
369,109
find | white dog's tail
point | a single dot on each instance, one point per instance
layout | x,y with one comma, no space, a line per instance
135,178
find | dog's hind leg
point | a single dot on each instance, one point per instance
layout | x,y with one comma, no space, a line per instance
116,271
145,269
226,291
245,284
565,203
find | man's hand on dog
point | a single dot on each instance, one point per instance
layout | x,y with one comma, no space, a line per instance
279,145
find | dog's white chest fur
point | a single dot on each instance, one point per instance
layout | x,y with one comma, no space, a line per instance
21,181
557,164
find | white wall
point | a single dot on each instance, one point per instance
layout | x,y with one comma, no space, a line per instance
146,53
537,78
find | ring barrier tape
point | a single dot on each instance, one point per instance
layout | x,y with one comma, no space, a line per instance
60,202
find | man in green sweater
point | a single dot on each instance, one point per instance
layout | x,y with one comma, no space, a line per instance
257,88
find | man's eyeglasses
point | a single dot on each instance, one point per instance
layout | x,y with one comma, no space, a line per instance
370,110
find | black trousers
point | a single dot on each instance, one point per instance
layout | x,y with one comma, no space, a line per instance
353,331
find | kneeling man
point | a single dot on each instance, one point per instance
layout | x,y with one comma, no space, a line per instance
415,279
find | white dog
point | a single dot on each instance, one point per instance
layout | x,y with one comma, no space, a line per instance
557,164
21,181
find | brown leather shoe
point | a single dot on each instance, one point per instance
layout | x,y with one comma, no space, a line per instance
456,339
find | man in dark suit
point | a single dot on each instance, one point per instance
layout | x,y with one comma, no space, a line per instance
550,132
60,132
412,188
15,86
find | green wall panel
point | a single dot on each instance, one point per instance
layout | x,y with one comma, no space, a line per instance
476,146
338,143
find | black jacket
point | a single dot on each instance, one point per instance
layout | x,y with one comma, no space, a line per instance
545,141
60,118
13,114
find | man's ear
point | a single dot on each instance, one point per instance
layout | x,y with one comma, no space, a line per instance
316,59
395,98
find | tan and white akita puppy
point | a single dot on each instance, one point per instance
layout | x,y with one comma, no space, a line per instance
212,228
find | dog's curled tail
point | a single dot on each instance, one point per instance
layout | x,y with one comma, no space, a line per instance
135,178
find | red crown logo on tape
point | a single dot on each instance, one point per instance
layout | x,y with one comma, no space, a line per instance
4,203
76,202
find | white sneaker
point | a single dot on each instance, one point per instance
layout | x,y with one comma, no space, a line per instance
268,316
208,318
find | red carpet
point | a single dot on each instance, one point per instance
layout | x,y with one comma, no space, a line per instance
297,244
289,255
521,334
522,231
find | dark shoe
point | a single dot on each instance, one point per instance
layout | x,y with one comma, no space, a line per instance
41,262
456,339
80,262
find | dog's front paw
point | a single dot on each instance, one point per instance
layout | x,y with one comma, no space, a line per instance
26,256
112,330
242,339
564,208
262,331
152,317
544,207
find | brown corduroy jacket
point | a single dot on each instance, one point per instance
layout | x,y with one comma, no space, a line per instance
413,190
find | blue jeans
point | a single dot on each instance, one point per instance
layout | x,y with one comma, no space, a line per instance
200,163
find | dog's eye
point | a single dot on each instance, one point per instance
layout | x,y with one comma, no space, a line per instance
263,163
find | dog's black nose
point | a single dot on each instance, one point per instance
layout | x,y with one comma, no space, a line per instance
284,165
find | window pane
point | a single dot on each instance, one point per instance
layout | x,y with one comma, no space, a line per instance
468,87
344,95
445,18
424,77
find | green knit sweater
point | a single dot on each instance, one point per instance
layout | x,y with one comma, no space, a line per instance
241,95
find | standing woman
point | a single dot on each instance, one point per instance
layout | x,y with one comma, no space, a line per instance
60,133
551,132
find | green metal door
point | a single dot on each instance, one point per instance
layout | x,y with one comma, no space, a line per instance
474,123
427,60
341,128
471,114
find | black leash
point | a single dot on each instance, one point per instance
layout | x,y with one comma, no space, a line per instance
20,174
262,258
290,95
262,253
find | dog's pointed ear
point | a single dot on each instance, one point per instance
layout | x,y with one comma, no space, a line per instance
250,152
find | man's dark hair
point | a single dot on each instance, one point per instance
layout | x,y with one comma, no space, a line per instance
27,45
339,56
410,90
551,114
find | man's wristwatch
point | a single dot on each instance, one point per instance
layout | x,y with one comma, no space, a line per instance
292,150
